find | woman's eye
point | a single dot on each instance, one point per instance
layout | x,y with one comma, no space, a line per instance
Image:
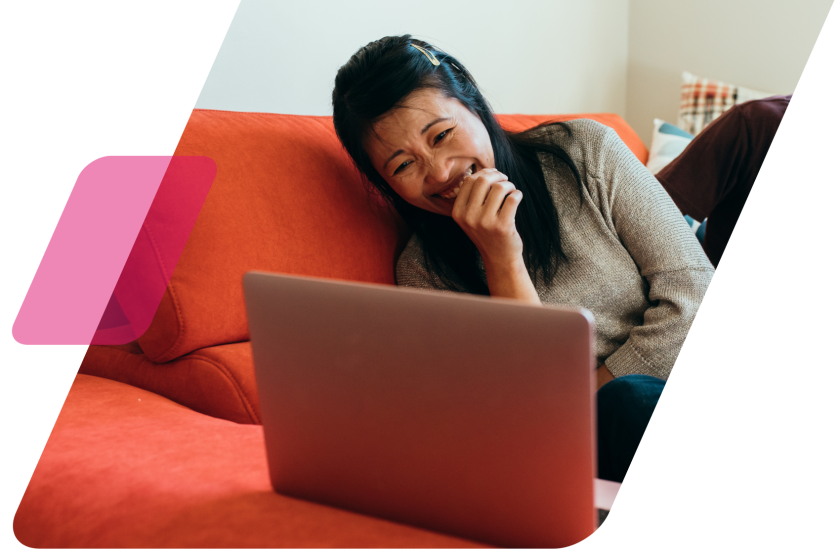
442,135
402,166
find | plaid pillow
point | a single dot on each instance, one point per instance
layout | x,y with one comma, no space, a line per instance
703,100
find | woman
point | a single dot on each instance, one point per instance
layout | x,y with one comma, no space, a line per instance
561,214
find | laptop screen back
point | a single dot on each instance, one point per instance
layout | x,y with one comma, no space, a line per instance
462,414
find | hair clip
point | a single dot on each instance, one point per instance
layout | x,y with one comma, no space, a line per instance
430,56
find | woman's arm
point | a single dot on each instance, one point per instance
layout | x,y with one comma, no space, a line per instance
486,209
411,272
511,280
667,255
488,220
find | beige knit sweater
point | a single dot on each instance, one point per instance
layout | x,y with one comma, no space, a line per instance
632,259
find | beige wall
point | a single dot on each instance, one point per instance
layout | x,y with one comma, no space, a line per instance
759,44
529,56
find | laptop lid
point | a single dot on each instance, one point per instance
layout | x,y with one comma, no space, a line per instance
467,415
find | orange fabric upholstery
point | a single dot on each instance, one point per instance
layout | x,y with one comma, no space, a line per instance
285,199
127,468
218,381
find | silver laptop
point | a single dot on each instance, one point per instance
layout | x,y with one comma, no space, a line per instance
467,415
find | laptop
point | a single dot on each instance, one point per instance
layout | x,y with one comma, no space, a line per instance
466,415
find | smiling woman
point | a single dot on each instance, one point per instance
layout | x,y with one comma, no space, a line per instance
429,154
562,214
395,109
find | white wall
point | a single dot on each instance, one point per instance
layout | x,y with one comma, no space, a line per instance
530,56
759,44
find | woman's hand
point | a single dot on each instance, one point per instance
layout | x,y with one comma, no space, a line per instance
485,209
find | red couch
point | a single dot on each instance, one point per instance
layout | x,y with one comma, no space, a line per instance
158,443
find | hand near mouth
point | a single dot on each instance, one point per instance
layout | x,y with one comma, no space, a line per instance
485,209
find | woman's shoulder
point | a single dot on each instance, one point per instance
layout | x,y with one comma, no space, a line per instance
582,139
586,142
411,269
584,127
413,251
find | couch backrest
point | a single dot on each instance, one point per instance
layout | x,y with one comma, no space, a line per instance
286,198
625,132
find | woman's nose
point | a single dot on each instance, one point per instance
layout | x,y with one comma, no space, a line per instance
438,171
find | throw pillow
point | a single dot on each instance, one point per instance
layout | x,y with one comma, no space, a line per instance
668,142
698,228
703,100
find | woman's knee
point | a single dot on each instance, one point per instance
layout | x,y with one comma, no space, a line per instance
625,406
631,394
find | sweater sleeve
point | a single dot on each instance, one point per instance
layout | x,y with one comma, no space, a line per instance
666,252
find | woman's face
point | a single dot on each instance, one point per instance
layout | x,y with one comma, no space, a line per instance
426,147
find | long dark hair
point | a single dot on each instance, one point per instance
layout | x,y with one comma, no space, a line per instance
381,75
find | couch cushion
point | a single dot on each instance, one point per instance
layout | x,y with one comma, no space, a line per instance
126,468
218,381
286,198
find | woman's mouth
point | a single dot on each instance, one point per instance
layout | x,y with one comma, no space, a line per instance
453,191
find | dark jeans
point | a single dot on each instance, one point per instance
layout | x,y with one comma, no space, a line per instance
625,406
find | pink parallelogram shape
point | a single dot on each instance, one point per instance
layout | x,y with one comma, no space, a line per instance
156,250
97,281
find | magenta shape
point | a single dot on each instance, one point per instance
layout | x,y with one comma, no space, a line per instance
156,250
88,249
69,296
